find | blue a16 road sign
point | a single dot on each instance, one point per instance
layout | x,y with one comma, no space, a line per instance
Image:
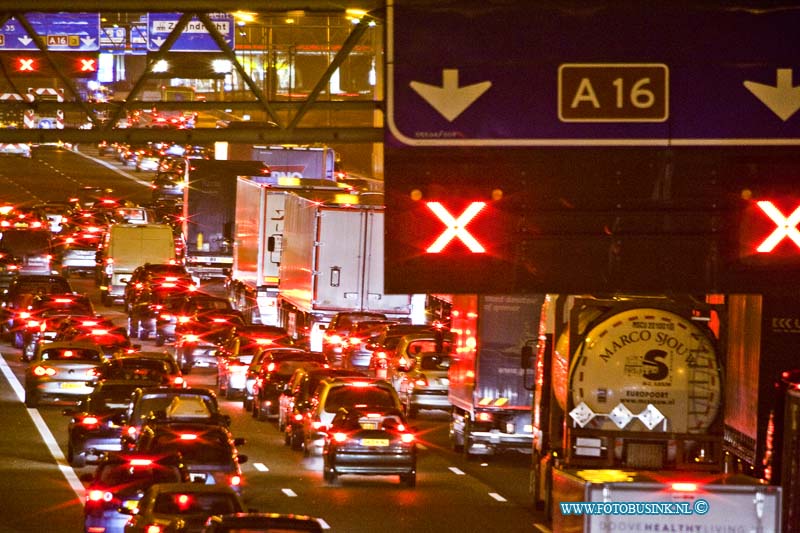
597,74
77,32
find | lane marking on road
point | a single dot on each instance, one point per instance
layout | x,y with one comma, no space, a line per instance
497,497
289,492
323,523
457,471
261,467
115,169
44,431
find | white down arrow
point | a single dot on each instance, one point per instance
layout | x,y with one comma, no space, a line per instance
450,100
783,99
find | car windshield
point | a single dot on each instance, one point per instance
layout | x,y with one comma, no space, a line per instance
22,243
361,397
201,451
153,405
127,474
110,398
434,362
71,354
195,503
45,286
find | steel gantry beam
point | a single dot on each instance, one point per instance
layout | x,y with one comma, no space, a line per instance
284,117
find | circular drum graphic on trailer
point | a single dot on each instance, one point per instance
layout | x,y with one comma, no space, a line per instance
647,356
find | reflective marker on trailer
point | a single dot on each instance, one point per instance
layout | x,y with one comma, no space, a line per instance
456,227
786,227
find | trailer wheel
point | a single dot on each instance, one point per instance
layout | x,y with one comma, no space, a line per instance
455,445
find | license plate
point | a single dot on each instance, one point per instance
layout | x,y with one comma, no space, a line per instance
369,425
75,385
374,442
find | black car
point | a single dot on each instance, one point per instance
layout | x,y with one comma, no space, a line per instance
21,293
203,322
276,370
96,422
239,522
210,451
44,312
156,277
370,441
181,507
119,482
155,402
296,400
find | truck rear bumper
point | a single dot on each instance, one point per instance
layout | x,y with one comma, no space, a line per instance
487,442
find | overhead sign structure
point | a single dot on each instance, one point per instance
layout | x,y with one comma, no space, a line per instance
543,74
195,36
75,32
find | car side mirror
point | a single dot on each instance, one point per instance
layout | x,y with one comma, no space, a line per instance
241,459
239,441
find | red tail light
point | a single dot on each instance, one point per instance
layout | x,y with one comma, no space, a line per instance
236,481
141,462
89,421
99,496
154,528
179,381
271,367
339,436
407,438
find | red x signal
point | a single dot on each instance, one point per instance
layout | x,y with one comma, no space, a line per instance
786,227
26,64
87,65
456,227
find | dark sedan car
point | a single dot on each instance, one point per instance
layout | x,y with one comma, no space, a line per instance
276,370
210,451
370,442
164,505
119,482
96,423
262,522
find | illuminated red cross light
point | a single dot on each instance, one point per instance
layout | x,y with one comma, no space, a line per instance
88,65
786,227
26,64
456,227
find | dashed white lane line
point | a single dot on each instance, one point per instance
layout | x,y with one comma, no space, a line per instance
44,431
289,492
457,471
497,497
261,467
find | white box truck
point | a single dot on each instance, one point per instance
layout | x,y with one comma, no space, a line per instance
258,230
332,261
127,246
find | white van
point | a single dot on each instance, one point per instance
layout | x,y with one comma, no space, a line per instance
127,246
